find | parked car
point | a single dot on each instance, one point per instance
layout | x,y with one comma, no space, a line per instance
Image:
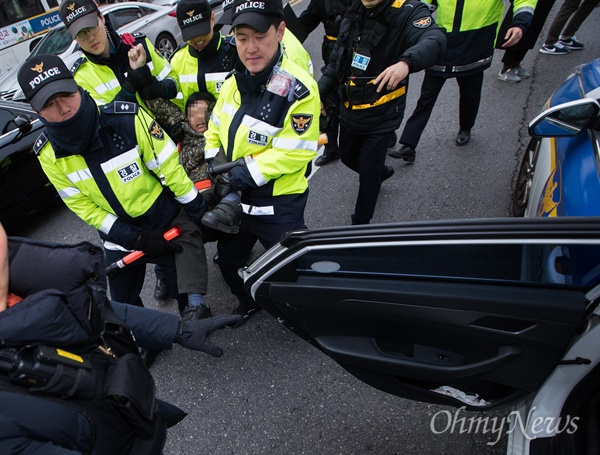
496,314
560,171
24,187
157,22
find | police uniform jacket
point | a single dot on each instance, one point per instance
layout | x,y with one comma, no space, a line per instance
471,28
369,41
64,306
203,71
103,78
277,136
128,180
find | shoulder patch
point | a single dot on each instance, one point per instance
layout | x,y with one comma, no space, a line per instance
424,22
156,131
229,39
300,91
80,61
39,143
138,35
120,107
301,123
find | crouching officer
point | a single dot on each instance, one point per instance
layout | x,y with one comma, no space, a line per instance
117,170
71,378
267,117
379,43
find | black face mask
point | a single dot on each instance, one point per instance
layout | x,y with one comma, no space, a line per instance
76,134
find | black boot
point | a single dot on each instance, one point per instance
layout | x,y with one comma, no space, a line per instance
160,290
225,217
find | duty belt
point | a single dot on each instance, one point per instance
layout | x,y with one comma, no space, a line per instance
460,68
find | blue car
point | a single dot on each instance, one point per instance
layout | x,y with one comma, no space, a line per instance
560,172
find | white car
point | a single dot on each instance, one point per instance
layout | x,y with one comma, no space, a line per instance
158,23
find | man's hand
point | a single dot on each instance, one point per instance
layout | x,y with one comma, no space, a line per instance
194,334
153,244
137,56
513,36
391,76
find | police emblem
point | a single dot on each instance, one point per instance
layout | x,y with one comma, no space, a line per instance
156,131
301,122
424,22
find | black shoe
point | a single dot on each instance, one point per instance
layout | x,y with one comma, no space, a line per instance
246,310
225,217
195,312
326,158
405,152
388,171
148,355
160,290
463,138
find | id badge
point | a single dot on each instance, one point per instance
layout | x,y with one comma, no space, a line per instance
360,61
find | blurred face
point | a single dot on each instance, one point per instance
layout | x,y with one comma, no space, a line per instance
94,40
370,3
198,116
256,50
201,41
61,107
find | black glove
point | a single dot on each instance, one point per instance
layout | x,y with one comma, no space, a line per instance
138,79
175,132
194,334
222,187
153,244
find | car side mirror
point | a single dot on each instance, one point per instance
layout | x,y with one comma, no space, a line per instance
564,120
11,135
23,123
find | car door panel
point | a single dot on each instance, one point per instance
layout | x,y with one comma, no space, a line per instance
411,317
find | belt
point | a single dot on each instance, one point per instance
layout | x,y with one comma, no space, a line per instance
382,100
330,38
459,68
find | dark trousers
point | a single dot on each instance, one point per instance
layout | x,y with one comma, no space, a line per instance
235,249
470,97
574,11
365,154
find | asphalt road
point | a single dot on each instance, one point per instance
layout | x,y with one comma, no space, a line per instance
272,393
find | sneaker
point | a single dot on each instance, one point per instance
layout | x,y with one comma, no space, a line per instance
225,217
571,44
160,290
522,72
557,49
406,152
195,312
246,310
509,76
463,138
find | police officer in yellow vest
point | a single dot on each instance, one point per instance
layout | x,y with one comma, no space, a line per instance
267,115
116,169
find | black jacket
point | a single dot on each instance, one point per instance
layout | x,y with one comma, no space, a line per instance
65,307
393,31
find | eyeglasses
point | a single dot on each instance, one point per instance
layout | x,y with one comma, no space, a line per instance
87,33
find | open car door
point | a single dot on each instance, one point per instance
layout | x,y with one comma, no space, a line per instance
473,313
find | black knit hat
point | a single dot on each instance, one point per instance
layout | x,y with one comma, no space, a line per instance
258,14
43,76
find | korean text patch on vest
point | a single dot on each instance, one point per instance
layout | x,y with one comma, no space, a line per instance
424,22
156,131
129,172
257,138
301,122
39,143
360,61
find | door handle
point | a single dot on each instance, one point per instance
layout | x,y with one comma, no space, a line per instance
363,352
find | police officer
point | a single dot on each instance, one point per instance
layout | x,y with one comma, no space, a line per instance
329,13
471,31
204,60
117,170
379,43
71,380
267,115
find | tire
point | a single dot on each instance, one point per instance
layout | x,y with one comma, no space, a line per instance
525,177
165,45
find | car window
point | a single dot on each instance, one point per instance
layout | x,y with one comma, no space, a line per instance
124,16
6,117
54,43
568,264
